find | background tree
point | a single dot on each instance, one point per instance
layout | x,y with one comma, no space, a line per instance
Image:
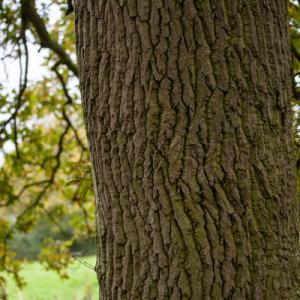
188,117
45,171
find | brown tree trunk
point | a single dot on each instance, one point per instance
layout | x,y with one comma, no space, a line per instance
187,109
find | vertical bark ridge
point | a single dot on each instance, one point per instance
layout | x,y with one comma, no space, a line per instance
187,112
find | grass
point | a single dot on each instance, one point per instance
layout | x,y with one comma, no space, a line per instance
47,285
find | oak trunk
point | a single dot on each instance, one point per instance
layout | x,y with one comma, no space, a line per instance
187,111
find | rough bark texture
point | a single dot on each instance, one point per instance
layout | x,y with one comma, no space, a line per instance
188,118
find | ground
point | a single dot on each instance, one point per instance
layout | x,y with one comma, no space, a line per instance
47,285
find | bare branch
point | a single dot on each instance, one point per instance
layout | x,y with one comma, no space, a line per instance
69,101
29,10
70,7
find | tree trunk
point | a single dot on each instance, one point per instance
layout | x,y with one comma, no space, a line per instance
187,110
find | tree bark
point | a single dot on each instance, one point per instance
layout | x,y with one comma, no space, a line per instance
188,117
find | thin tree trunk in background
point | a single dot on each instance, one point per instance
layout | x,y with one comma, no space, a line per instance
187,110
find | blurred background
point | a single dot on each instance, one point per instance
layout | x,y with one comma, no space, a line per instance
46,193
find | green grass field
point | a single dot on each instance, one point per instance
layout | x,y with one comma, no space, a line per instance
47,285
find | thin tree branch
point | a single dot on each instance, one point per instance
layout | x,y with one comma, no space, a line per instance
22,85
29,10
49,181
70,7
69,101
